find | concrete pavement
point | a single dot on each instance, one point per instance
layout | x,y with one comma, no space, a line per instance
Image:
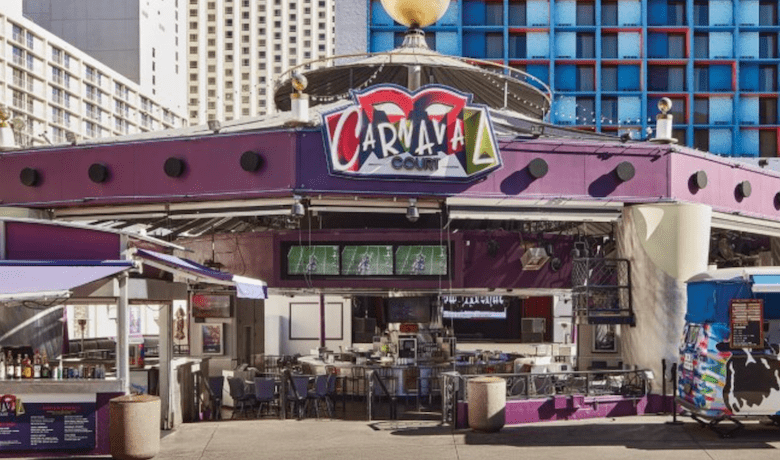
599,439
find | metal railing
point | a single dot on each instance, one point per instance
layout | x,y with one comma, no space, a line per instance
628,384
376,385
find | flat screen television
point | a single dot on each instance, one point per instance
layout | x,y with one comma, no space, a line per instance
409,310
313,260
374,260
421,260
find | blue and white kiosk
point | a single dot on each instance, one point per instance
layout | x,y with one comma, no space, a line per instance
729,367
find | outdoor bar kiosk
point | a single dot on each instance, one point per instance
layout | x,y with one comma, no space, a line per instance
729,364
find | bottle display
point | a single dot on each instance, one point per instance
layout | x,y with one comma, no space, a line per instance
18,367
10,369
45,369
27,370
36,372
2,365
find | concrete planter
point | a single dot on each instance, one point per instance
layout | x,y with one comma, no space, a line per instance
134,427
487,403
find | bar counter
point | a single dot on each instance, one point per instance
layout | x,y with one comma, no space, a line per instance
39,386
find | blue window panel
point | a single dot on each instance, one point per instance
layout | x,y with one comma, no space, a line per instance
749,142
721,111
656,12
748,45
382,41
629,45
565,109
566,12
538,45
379,16
447,43
473,13
748,110
721,45
566,78
748,12
720,78
721,13
629,109
542,72
450,18
538,13
474,44
748,78
628,78
566,45
720,141
657,45
630,13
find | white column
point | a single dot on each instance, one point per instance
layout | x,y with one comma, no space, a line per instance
122,335
666,245
165,347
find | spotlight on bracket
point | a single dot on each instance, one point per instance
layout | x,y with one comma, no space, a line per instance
251,161
412,213
625,171
699,179
29,177
744,189
297,209
98,173
174,167
538,168
215,126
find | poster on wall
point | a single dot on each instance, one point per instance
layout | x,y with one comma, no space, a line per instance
211,306
34,425
604,338
181,339
213,339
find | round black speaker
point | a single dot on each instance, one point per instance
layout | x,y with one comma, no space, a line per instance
98,173
538,168
555,264
174,167
251,161
625,171
29,177
744,189
699,179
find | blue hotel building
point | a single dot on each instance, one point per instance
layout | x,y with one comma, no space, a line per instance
608,62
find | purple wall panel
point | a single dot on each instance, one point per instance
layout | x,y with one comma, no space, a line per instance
27,241
560,408
723,179
136,170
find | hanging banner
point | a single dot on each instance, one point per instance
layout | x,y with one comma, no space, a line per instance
435,133
474,307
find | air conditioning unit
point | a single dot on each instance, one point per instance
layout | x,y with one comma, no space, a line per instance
534,259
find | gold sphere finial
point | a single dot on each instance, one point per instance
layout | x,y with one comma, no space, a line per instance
416,13
5,115
299,81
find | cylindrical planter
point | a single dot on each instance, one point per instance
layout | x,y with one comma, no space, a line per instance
487,403
134,427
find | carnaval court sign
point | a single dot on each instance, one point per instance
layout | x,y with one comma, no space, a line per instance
434,133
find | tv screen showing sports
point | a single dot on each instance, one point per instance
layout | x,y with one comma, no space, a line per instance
409,309
367,260
474,307
421,260
313,260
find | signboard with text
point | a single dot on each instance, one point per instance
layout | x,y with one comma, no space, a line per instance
747,323
46,426
435,133
474,307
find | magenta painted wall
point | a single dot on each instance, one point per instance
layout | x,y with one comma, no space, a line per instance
29,241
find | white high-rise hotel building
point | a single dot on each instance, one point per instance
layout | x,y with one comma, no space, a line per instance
238,48
57,88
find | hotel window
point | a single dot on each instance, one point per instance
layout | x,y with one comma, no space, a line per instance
701,13
17,33
675,13
767,45
517,13
517,46
676,46
767,78
701,139
586,110
666,46
609,46
767,13
767,111
701,46
586,76
494,45
609,13
609,78
586,46
666,78
701,79
609,110
701,111
767,142
586,13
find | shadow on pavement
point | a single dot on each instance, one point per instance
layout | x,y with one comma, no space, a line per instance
609,432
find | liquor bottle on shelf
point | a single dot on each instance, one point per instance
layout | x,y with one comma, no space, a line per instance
18,367
27,371
10,369
37,365
45,369
2,365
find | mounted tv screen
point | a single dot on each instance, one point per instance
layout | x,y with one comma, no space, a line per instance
474,307
409,309
367,260
421,260
313,260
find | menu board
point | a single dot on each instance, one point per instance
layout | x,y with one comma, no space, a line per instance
747,323
46,426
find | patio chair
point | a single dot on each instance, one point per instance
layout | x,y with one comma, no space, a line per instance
216,384
319,394
241,400
330,396
297,394
265,394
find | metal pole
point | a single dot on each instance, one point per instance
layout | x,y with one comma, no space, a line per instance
122,336
322,320
415,77
663,377
674,399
